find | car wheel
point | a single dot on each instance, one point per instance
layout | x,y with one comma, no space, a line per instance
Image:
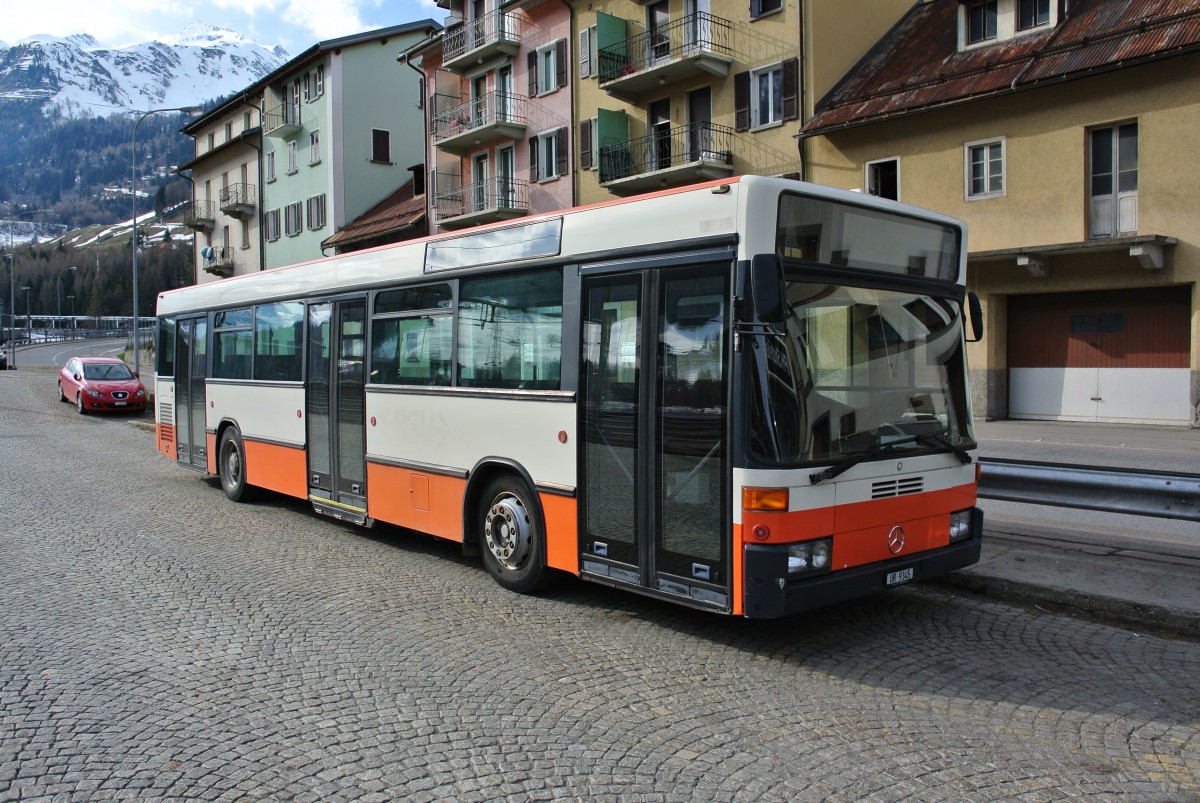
511,537
62,397
79,404
231,466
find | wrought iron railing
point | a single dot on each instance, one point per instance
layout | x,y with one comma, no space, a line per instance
491,27
238,195
217,258
687,36
661,150
285,115
495,193
198,213
491,108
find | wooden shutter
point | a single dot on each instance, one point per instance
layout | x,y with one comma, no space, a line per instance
533,158
585,53
560,62
531,59
585,144
561,152
791,89
741,101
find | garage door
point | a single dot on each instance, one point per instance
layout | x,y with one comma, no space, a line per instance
1116,356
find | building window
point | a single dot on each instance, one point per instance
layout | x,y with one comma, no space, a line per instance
294,116
293,219
984,169
760,8
292,163
1032,13
315,211
981,21
212,140
319,81
245,227
589,63
766,96
547,67
229,131
548,155
308,94
314,147
246,124
271,225
381,145
1113,180
883,178
270,167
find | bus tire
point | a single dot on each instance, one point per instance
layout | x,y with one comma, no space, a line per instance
511,537
231,466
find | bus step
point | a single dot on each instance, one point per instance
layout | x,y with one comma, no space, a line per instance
342,512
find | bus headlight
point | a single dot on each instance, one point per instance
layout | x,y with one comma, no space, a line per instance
810,557
960,525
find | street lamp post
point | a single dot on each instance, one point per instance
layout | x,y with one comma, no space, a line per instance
71,298
12,289
28,313
189,110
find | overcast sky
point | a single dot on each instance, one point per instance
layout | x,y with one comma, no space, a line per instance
295,24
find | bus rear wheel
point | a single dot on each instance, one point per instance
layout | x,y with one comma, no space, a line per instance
511,537
231,466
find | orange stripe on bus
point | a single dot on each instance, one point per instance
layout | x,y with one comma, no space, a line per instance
210,460
562,532
419,500
277,468
165,439
737,588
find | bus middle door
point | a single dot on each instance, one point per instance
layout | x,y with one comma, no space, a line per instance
654,456
336,405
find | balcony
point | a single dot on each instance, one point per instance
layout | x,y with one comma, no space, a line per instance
199,215
695,45
668,158
472,43
495,116
486,202
217,260
238,200
282,121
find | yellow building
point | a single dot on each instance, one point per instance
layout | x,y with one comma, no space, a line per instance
1063,133
676,91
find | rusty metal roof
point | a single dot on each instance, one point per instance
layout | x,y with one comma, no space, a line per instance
390,216
918,66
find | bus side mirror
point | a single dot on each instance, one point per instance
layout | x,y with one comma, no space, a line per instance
976,311
767,289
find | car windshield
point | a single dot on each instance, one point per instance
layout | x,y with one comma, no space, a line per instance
107,372
860,372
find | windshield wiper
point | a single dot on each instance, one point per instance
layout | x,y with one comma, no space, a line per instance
886,449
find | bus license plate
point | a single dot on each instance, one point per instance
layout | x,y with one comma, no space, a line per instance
902,576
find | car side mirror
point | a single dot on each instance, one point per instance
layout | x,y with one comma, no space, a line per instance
767,288
976,312
78,378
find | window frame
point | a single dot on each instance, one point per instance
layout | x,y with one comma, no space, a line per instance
293,219
867,176
776,86
381,136
314,147
969,149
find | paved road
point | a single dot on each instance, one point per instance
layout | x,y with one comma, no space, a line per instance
160,643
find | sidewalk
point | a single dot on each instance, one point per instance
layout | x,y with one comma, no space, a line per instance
1137,582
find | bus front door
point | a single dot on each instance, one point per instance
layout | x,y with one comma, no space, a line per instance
191,367
335,401
654,506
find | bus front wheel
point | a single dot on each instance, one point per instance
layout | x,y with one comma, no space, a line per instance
511,537
231,465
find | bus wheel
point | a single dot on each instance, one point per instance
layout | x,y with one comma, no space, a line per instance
231,465
511,539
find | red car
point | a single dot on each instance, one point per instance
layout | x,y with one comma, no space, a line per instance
100,383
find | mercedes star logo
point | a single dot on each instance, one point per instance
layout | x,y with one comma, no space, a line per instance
895,540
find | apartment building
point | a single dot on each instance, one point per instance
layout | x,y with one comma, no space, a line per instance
224,210
1061,131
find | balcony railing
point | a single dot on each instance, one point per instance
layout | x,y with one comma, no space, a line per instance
494,116
238,199
487,201
200,215
282,121
217,259
668,158
692,45
479,40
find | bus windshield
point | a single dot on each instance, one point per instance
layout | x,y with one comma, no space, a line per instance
861,372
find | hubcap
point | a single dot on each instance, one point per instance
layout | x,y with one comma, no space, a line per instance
233,468
507,532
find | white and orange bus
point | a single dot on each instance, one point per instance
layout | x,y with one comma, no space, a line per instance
748,396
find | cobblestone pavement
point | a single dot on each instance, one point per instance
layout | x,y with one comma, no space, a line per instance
160,643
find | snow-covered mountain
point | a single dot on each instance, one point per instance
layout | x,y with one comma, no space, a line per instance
79,78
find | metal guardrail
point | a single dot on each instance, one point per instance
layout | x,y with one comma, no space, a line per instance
1114,490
